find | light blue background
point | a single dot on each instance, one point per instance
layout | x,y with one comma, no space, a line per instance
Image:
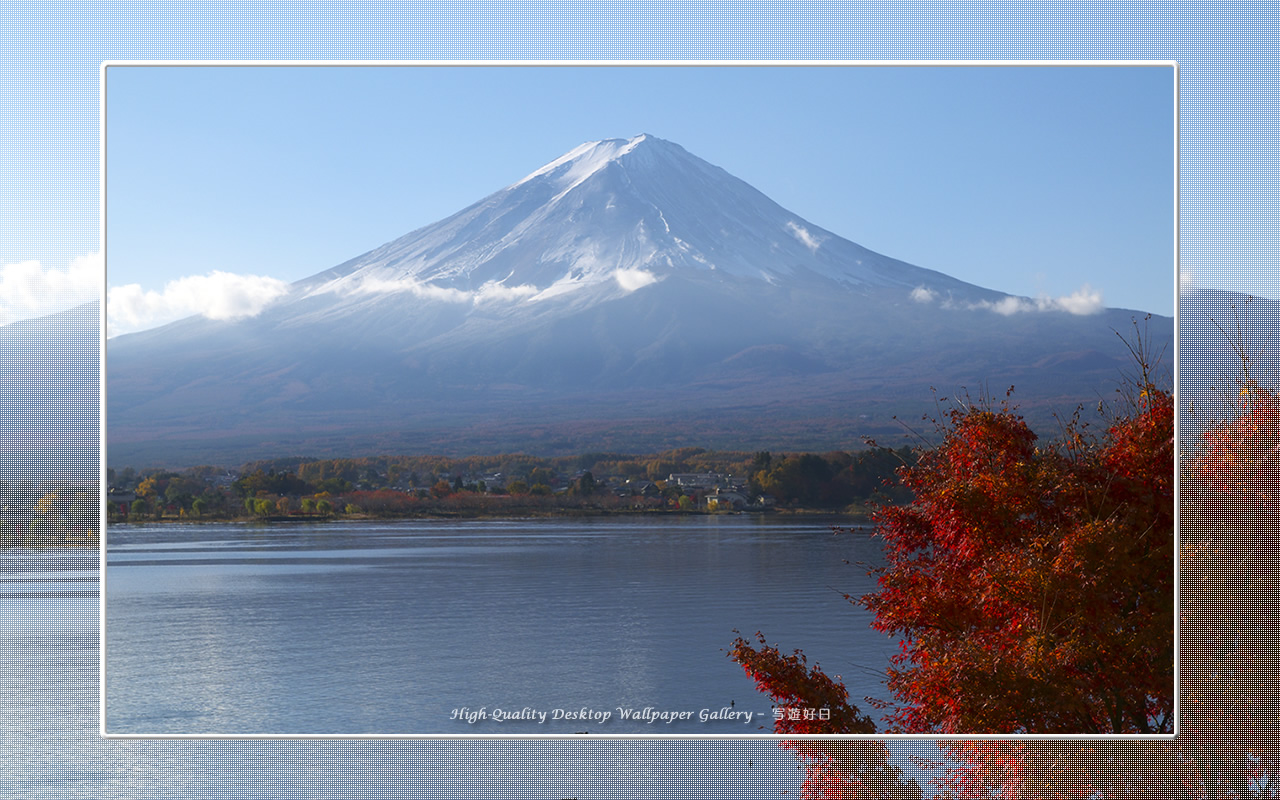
49,212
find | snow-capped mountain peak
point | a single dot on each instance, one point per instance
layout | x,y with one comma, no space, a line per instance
616,216
626,295
585,160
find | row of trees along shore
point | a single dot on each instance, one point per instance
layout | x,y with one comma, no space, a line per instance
1032,588
422,485
48,516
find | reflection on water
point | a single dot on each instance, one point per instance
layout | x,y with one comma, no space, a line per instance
482,627
49,719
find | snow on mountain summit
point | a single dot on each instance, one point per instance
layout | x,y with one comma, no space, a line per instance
582,161
627,295
618,215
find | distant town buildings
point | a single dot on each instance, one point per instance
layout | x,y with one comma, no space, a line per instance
697,480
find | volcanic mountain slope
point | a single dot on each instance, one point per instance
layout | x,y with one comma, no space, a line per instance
627,295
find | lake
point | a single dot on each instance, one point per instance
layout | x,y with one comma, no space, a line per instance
611,625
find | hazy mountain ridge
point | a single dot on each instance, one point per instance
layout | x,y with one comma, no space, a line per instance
1218,330
49,397
627,290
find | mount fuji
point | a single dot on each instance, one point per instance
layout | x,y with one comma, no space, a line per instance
625,296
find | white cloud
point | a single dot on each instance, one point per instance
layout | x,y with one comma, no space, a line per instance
632,279
1008,305
491,292
923,294
807,239
1187,281
218,295
497,292
1083,301
427,291
28,289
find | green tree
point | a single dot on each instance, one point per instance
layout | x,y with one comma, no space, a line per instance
798,480
762,460
334,485
584,486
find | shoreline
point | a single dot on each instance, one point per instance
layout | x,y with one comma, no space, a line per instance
854,517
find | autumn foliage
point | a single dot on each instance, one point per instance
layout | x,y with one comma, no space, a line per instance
1228,739
1229,727
1228,742
807,701
1032,585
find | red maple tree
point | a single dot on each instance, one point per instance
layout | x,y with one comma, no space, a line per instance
808,701
1228,742
1032,586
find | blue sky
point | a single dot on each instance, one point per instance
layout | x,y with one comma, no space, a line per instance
1032,180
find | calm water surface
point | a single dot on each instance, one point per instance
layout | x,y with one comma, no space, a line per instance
49,698
477,627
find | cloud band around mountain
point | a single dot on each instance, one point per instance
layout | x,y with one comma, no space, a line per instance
29,289
491,291
218,295
1083,301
